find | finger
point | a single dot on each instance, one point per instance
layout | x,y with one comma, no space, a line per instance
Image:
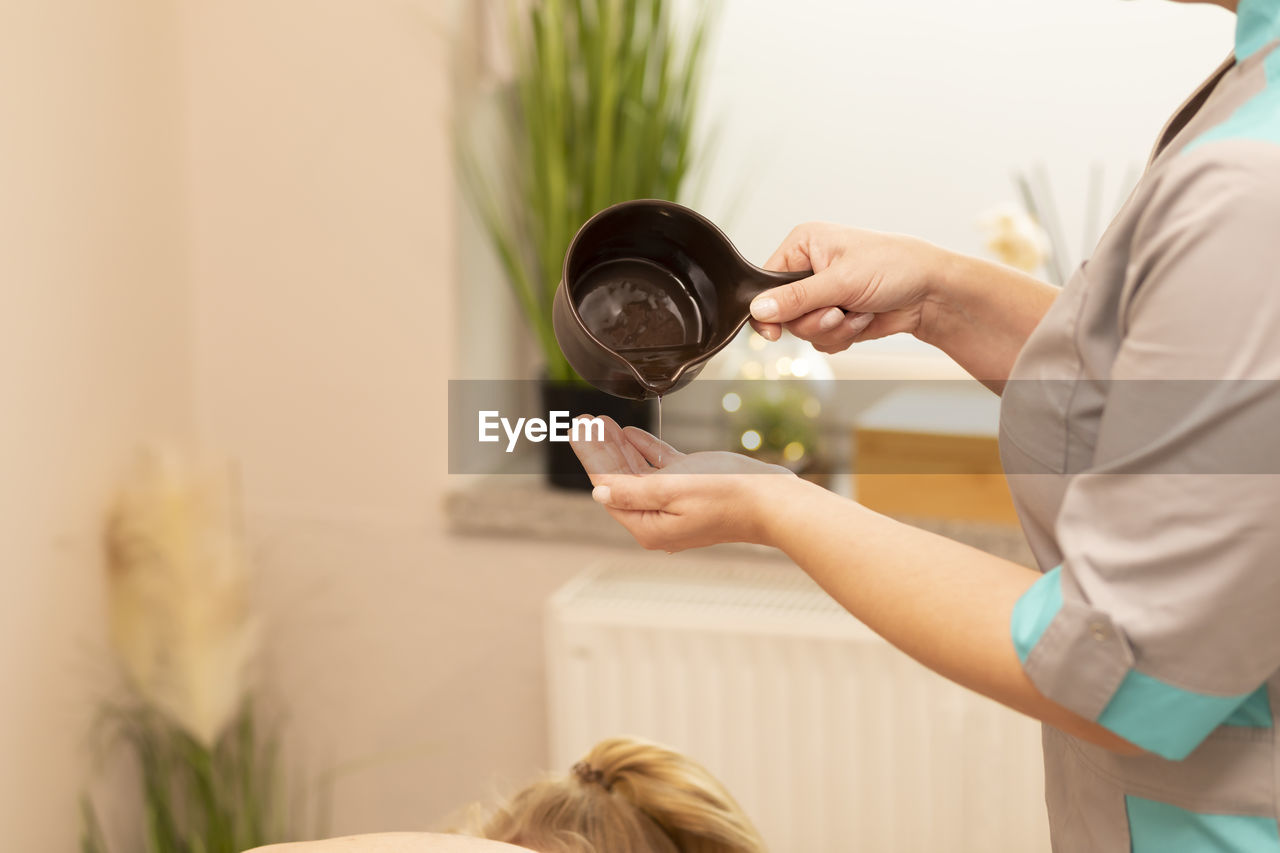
651,530
632,521
636,494
841,335
627,457
591,453
768,331
792,301
862,327
883,326
635,459
816,324
601,456
789,257
856,324
631,458
657,531
656,452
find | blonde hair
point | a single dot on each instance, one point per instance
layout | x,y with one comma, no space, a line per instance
626,796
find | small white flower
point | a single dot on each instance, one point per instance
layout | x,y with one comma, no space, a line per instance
179,592
1014,238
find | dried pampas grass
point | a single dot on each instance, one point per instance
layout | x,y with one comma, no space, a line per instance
179,586
209,775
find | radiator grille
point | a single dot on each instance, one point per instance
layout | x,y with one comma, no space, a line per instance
830,739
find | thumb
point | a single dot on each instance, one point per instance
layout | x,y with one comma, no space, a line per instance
632,492
791,301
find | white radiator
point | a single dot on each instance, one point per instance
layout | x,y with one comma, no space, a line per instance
829,738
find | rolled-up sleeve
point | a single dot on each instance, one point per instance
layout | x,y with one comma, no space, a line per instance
1163,621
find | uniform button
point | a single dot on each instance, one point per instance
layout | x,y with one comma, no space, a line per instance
1099,631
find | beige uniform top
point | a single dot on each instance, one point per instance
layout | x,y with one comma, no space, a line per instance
1140,431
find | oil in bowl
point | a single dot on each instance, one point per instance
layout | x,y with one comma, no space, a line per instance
645,314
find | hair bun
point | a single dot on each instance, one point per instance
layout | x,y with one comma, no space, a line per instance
659,801
589,775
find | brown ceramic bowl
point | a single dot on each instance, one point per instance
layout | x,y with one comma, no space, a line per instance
650,291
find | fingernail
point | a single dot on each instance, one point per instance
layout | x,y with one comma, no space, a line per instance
834,317
602,494
772,333
764,309
859,322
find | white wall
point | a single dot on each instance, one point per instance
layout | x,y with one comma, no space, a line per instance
911,116
322,247
93,359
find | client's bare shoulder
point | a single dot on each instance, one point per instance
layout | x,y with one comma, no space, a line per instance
394,842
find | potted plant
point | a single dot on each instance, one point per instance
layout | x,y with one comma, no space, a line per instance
208,773
600,109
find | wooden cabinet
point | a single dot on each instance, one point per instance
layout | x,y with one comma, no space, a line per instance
932,452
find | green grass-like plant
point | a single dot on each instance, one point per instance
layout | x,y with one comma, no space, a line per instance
194,798
601,110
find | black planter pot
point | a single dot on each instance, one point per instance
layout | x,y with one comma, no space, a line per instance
564,471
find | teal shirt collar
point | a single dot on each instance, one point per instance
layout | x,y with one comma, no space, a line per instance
1257,25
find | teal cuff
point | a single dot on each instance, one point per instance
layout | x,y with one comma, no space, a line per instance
1035,610
1161,718
1153,714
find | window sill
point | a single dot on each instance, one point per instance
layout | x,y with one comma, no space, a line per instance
524,507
